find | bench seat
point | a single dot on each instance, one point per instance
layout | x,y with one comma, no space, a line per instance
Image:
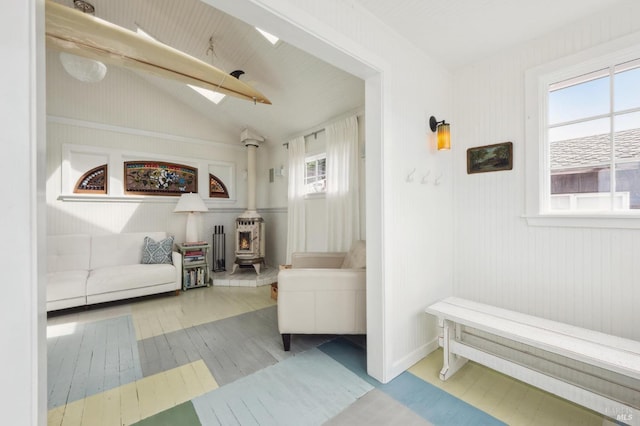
535,336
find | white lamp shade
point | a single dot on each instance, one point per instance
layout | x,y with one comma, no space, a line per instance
190,203
83,69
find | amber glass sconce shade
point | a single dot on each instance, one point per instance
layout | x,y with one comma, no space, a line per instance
444,136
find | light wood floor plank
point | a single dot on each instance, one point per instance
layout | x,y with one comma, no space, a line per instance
503,397
146,397
202,373
129,406
377,408
73,413
232,332
309,388
195,307
55,416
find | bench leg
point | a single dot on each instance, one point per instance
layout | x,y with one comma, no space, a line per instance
452,362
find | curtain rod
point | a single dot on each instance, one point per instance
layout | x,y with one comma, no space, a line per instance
358,112
314,134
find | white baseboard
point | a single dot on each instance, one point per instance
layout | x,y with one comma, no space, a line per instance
401,365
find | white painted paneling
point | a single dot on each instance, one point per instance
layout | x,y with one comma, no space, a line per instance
125,216
587,277
125,99
413,222
410,225
416,218
23,392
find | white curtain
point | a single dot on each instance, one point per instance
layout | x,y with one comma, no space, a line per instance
296,229
343,209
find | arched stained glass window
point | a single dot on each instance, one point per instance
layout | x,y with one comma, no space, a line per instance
92,182
217,188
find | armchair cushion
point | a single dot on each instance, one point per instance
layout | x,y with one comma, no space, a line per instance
318,295
356,258
300,260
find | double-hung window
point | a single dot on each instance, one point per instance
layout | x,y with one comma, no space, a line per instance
315,176
583,137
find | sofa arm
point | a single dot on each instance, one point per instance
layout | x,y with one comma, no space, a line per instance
317,259
176,258
319,301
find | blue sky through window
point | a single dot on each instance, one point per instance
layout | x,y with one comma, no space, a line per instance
591,98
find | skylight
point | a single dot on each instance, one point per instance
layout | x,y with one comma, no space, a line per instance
213,96
272,39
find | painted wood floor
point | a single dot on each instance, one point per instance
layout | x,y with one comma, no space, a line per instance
214,356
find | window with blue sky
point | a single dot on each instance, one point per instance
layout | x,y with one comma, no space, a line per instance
593,132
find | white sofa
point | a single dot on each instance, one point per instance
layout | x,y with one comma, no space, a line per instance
323,293
84,269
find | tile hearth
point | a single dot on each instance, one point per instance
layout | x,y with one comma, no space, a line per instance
246,277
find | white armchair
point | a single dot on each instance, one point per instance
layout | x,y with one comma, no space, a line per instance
323,293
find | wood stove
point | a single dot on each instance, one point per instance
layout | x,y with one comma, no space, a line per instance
249,236
249,242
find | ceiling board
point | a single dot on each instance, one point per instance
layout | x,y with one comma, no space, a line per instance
305,91
458,32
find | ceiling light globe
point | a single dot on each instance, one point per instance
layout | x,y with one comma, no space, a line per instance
83,69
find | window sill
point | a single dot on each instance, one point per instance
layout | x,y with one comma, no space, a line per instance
101,198
587,220
315,195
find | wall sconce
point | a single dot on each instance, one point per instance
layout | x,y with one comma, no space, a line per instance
444,137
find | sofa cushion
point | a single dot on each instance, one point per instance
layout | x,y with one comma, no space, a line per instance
125,277
119,249
356,258
68,252
66,285
154,252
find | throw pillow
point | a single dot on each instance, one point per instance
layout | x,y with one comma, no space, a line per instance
356,258
157,251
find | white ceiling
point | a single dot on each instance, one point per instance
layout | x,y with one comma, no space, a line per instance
458,32
306,91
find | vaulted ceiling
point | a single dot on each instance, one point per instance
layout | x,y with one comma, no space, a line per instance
306,91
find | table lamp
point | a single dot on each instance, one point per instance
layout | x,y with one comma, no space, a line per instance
191,203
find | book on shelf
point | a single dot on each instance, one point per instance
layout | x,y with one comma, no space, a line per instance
195,277
194,243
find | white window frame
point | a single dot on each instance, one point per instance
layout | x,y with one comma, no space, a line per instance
307,160
537,82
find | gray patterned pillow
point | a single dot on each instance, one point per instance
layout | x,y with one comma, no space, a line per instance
157,251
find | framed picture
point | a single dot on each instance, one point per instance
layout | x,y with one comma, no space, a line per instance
159,178
490,158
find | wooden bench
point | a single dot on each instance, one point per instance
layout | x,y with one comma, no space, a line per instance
593,369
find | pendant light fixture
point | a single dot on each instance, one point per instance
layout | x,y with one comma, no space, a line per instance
80,68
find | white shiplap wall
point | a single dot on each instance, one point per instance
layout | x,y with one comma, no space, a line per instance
124,113
587,277
409,224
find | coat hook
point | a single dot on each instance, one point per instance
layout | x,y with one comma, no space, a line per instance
437,181
425,177
410,175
